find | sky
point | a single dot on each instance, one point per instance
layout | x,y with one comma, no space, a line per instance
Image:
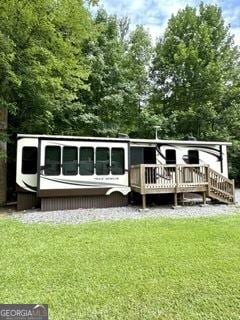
154,14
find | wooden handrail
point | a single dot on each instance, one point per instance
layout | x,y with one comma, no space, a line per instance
176,178
170,165
218,174
221,184
165,174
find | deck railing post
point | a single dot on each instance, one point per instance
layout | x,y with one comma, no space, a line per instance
208,180
142,178
233,190
176,187
177,177
142,183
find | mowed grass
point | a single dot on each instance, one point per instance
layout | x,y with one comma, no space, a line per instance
148,269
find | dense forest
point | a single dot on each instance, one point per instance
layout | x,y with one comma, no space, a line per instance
67,70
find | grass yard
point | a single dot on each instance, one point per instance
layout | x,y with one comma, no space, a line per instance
148,269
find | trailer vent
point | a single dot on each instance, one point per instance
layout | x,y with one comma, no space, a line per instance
123,136
190,138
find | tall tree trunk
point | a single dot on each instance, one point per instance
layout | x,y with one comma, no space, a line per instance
3,157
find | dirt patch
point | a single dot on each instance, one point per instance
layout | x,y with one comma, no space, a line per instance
7,211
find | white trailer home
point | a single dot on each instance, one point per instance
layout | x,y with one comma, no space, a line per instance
66,172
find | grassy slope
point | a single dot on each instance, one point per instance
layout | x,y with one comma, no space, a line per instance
149,269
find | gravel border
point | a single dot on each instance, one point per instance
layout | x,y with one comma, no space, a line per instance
81,216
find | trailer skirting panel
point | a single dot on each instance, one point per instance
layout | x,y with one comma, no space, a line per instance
27,201
70,203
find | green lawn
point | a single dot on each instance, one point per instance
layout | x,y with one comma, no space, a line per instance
148,269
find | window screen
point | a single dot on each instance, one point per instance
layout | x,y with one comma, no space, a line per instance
102,161
29,160
117,161
170,156
70,161
193,157
52,160
86,161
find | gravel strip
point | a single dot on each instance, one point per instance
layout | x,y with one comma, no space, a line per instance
80,216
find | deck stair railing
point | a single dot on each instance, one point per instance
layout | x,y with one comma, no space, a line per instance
152,178
220,187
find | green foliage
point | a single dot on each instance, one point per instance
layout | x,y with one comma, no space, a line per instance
118,80
195,67
42,58
63,70
8,78
196,78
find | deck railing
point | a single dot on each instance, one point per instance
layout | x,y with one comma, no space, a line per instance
147,176
153,178
221,185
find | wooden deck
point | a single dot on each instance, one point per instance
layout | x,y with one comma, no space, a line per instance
156,179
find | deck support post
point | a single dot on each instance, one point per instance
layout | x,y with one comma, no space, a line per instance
204,197
182,198
175,200
144,201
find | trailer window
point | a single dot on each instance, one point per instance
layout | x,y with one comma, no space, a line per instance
70,161
193,157
117,161
29,160
170,156
86,161
102,161
52,160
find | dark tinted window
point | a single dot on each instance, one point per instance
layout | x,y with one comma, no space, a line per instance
70,161
170,156
193,157
102,161
117,161
29,160
52,160
86,161
136,155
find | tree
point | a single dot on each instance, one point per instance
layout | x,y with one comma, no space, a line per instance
104,100
138,64
195,72
42,67
44,62
118,81
8,79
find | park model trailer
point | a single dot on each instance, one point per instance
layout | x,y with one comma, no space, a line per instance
66,172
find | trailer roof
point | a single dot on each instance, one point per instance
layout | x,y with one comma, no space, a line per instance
132,141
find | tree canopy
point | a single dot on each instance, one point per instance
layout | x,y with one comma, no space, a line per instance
42,62
195,71
118,79
66,70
